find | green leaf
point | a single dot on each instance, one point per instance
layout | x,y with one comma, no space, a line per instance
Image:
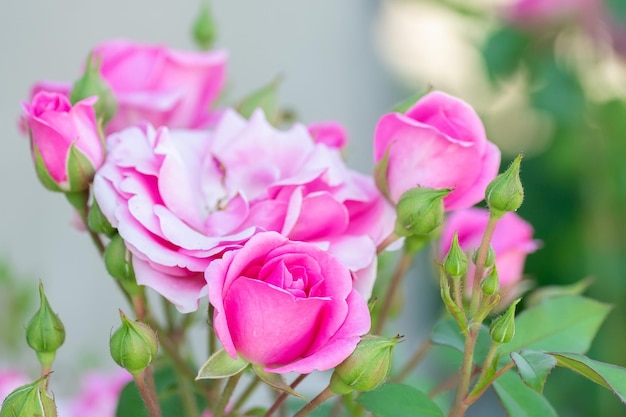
609,376
503,51
221,365
519,400
274,380
446,333
533,367
562,324
398,400
544,293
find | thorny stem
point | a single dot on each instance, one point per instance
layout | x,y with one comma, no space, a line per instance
483,250
315,402
283,396
149,400
403,266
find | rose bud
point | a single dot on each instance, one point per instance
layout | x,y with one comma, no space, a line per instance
366,368
439,142
420,211
455,263
45,332
92,84
97,221
489,260
502,329
65,141
30,400
491,284
133,346
505,193
204,29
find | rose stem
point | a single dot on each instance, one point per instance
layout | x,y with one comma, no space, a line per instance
151,405
226,394
459,406
386,242
315,402
403,266
284,395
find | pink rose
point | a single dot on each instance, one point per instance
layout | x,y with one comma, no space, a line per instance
511,242
180,199
11,379
65,139
332,134
99,395
288,306
161,86
440,142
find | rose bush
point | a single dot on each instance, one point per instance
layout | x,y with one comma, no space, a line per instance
440,142
65,141
289,306
155,84
180,199
512,241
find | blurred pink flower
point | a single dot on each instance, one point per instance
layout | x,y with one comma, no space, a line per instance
99,395
288,306
10,379
533,12
332,134
440,142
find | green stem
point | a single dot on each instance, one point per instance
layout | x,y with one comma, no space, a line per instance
148,398
483,250
212,337
252,386
471,399
467,366
283,396
315,402
385,243
415,360
403,266
226,394
484,374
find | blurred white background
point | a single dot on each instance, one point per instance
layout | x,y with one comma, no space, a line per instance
324,49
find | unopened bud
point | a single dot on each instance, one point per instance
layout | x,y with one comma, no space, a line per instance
490,260
505,192
204,29
92,84
491,284
117,259
455,263
30,400
502,328
133,346
45,332
420,211
366,368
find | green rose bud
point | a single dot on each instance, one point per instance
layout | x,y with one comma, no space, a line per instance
489,261
45,332
30,400
455,263
505,192
491,284
502,328
204,30
133,346
98,222
117,259
92,84
420,211
366,368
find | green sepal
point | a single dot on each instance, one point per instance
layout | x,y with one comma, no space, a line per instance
455,311
31,400
265,98
407,103
221,365
97,221
80,170
43,174
380,175
276,381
